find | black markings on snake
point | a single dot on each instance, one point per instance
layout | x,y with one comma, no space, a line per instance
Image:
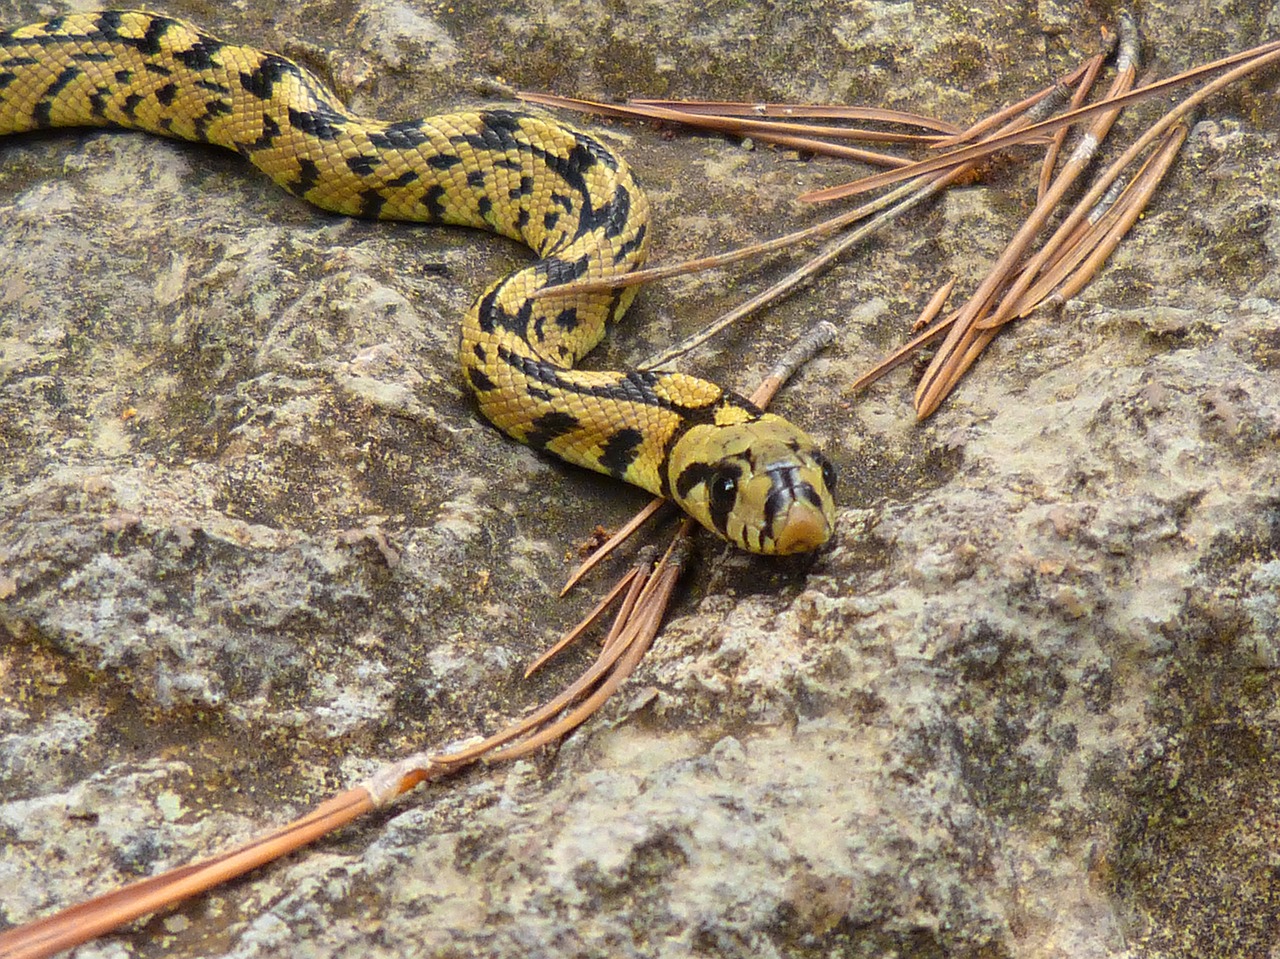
61,83
404,179
320,121
404,135
270,130
200,55
550,426
308,177
150,41
479,382
431,202
630,246
261,81
621,450
362,165
371,204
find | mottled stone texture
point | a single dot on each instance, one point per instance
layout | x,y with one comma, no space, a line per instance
1024,707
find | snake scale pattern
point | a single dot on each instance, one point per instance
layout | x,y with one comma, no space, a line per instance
751,477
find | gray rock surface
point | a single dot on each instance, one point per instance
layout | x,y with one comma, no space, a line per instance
1025,706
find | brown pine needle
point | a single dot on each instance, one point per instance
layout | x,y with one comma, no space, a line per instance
1086,226
1025,120
542,726
963,345
810,145
580,687
1011,112
934,306
626,651
1175,116
752,251
100,915
1253,58
1074,271
739,125
827,111
1126,70
902,354
1092,68
614,541
916,192
586,622
1270,53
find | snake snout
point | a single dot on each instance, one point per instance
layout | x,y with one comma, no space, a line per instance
794,513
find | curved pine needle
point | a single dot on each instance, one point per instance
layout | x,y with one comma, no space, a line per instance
625,652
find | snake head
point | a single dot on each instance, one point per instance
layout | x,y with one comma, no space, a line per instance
763,485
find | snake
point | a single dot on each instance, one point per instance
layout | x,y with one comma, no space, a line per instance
751,477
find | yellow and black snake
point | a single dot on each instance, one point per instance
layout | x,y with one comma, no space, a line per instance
751,477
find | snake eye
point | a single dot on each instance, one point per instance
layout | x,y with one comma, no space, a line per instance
723,489
829,475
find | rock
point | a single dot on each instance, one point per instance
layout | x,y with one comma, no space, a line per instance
255,540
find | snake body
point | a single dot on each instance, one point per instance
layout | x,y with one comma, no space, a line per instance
751,477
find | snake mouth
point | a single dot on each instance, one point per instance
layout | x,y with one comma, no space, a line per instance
803,528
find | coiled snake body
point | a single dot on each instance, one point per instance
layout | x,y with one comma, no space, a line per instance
751,477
